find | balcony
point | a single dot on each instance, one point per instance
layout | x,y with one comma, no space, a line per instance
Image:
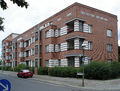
70,30
75,24
22,59
75,42
70,44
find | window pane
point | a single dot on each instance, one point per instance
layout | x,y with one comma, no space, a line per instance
47,48
89,29
109,33
47,63
109,47
81,26
90,45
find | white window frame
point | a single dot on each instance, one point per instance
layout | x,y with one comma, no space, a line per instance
47,48
89,28
109,33
46,34
90,45
109,47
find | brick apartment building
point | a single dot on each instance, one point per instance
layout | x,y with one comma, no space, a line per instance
58,40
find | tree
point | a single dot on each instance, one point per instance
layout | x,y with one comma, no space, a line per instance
3,5
119,53
0,62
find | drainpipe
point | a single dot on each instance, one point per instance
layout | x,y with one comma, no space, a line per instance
34,46
38,47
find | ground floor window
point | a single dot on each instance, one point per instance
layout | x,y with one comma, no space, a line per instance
71,61
109,60
47,63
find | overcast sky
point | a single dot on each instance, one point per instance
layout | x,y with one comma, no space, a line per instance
18,20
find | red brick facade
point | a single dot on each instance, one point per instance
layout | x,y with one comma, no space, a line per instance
57,41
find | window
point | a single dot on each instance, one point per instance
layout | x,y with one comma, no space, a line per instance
109,60
59,47
40,48
47,63
69,14
81,26
36,36
59,62
71,61
58,19
90,45
47,34
109,33
47,48
33,39
36,49
89,28
109,47
80,43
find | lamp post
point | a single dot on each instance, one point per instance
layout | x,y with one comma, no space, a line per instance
83,65
2,65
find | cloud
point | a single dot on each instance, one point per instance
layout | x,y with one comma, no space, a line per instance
119,42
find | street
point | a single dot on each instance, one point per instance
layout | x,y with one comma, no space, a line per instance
22,84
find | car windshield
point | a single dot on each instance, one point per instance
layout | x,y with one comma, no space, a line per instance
26,71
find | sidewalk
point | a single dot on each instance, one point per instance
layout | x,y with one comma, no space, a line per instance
74,82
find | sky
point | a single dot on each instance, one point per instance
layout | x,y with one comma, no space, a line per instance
18,20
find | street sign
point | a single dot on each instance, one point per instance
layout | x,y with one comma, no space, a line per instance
83,59
79,74
5,85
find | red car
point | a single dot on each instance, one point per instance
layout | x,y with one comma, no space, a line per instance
25,73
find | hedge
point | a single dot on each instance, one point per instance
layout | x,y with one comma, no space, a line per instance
31,69
98,70
94,70
115,68
63,71
43,71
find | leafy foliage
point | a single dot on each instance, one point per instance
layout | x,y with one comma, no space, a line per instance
31,69
63,71
98,70
1,22
20,3
115,68
119,53
20,67
43,71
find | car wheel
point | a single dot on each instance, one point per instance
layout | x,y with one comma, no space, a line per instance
18,76
31,76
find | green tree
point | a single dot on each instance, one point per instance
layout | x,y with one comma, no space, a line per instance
119,53
0,62
3,5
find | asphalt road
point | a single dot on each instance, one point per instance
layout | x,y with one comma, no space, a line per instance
21,84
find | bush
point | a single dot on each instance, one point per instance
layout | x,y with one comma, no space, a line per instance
98,70
115,68
31,69
20,67
43,71
7,68
63,71
0,67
